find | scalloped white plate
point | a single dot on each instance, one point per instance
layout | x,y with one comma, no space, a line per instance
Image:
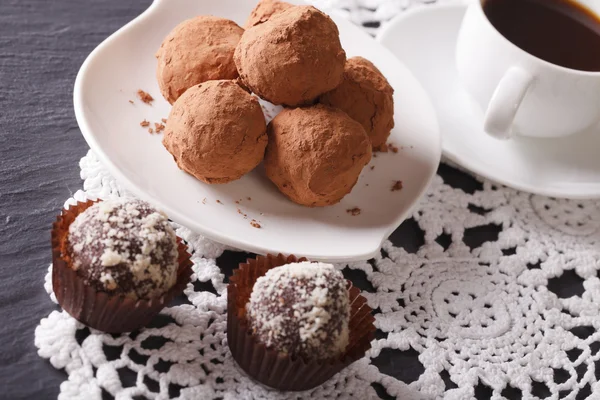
125,62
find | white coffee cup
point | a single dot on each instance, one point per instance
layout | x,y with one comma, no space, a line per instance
519,93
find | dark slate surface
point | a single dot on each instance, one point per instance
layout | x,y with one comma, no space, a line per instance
42,45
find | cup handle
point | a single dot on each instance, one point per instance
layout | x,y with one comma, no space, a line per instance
506,101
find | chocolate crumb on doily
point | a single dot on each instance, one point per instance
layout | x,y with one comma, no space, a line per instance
242,213
397,186
372,167
145,96
159,127
131,101
255,224
249,198
219,201
353,211
150,130
164,120
237,202
392,148
144,123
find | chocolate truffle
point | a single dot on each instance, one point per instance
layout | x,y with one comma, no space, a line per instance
292,58
315,154
216,132
366,96
124,247
264,10
197,50
301,309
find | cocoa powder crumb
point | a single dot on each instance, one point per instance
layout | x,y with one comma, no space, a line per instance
131,101
164,120
237,202
159,127
145,96
382,149
353,211
372,167
397,186
392,147
219,201
150,130
144,123
249,198
255,224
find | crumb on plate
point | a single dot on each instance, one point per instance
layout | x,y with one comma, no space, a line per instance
353,211
145,96
159,127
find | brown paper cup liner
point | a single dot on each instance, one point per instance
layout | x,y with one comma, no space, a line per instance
270,367
99,310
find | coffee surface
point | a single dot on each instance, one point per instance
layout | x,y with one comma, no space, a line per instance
562,32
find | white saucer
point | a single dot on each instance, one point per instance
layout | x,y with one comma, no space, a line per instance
125,62
424,40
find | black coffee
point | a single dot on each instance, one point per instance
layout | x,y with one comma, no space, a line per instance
562,32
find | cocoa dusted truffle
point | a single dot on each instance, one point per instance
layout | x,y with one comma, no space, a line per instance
366,96
264,10
315,154
197,50
292,58
216,132
301,309
124,247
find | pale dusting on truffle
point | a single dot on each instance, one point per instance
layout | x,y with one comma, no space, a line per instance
126,247
110,258
301,309
108,281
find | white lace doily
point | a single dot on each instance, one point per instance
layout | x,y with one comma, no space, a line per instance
494,294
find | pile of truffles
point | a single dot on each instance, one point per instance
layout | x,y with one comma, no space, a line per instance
336,110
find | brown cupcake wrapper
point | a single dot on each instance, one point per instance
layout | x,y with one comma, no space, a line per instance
278,370
100,310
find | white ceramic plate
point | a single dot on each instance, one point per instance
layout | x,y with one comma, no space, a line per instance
425,40
125,62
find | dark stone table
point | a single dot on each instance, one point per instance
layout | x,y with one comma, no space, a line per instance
42,45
